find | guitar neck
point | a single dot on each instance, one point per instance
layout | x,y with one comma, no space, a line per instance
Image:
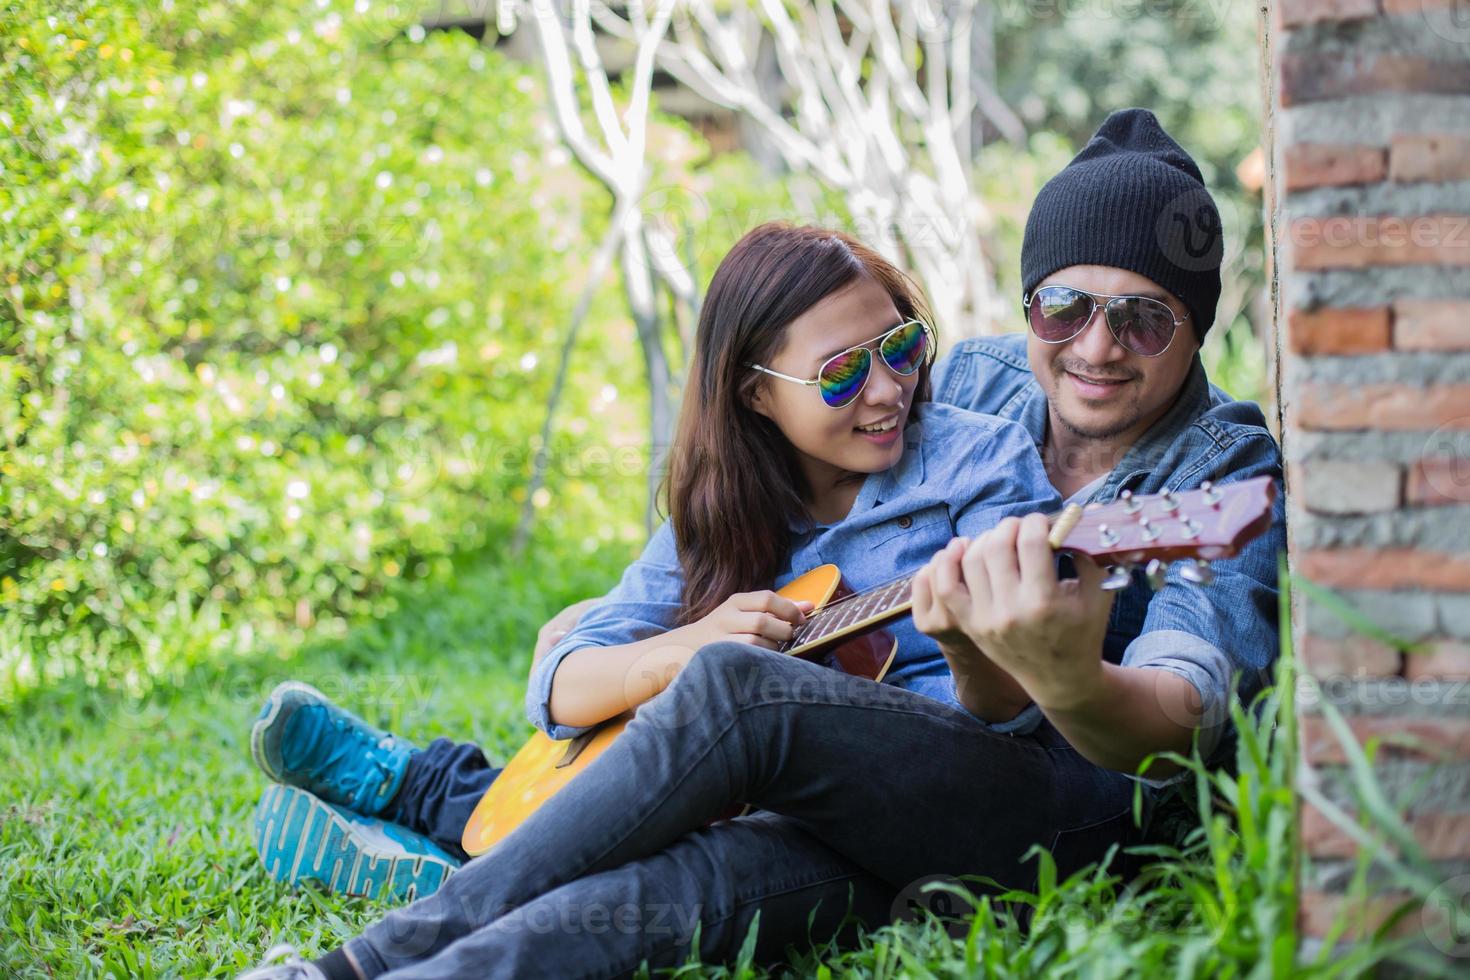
1197,525
853,616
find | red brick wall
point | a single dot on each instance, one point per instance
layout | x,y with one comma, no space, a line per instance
1369,126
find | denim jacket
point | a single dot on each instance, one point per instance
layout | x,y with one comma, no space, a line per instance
1201,633
960,474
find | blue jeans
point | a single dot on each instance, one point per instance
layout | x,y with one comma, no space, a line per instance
867,791
440,790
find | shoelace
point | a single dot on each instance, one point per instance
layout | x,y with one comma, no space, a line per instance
337,770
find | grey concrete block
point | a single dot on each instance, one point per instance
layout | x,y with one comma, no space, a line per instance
1388,198
1373,120
1391,697
1350,487
1404,615
1408,35
1418,783
1438,528
1389,368
1454,615
1374,287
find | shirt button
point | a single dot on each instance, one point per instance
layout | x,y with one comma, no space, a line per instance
905,521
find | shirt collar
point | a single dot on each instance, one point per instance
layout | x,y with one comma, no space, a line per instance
1145,454
1032,412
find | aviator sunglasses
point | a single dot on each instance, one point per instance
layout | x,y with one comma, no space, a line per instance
841,378
1140,324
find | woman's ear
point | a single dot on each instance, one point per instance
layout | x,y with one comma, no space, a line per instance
759,401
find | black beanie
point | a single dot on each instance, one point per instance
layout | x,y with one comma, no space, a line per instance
1132,199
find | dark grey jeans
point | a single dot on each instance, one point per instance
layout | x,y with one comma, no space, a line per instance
866,790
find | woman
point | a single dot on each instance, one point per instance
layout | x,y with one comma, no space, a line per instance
768,478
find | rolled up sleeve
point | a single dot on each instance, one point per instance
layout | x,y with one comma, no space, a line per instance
645,603
1203,665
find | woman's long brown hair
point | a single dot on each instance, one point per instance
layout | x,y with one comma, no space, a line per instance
734,483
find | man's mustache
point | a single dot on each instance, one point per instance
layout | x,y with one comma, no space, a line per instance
1087,370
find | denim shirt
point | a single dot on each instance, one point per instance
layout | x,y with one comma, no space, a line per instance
1200,633
960,474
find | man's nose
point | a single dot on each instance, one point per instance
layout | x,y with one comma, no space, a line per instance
1096,343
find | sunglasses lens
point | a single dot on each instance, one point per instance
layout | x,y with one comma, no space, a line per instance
842,378
1144,326
904,349
1059,313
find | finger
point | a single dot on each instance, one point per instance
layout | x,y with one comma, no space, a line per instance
1090,577
787,609
977,577
949,581
921,595
767,625
775,604
1001,563
1037,562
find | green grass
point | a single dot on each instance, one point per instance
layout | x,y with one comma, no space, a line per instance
124,848
123,827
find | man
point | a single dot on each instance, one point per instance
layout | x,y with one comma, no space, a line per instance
862,788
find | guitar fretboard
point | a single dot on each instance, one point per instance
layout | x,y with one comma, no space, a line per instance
852,614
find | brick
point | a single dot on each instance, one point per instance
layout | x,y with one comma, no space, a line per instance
1319,912
1363,242
1340,330
1447,659
1295,13
1389,568
1441,835
1436,158
1431,325
1439,480
1317,77
1350,656
1341,487
1333,165
1418,6
1324,406
1436,739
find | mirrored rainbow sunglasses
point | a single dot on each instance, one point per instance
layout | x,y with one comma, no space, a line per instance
842,377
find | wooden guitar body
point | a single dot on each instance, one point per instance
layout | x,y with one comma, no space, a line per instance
544,765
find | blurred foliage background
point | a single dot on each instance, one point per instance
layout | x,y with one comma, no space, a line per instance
282,287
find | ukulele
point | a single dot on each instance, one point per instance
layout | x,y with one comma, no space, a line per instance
845,629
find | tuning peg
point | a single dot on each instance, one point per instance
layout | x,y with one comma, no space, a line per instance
1119,577
1212,496
1170,502
1107,536
1154,571
1130,505
1199,572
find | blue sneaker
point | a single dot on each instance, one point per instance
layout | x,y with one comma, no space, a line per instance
303,838
302,739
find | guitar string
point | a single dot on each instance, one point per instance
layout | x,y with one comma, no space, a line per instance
1089,520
